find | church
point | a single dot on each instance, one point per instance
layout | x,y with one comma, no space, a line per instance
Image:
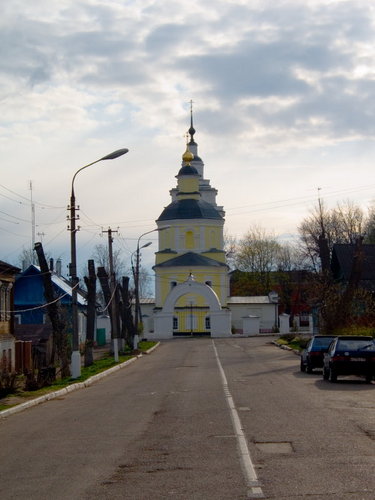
191,274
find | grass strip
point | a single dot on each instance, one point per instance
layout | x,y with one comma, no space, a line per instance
99,365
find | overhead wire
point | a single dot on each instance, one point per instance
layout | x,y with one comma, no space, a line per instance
43,305
42,205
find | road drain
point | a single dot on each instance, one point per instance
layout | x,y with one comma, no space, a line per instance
275,448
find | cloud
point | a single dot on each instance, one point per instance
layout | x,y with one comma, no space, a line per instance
280,87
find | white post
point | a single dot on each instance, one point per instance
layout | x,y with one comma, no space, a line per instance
284,323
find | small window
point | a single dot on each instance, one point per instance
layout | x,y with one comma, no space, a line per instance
209,283
189,239
175,323
208,323
3,364
173,284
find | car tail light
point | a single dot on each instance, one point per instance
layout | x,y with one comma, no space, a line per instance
339,358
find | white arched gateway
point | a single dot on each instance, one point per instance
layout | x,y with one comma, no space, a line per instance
216,320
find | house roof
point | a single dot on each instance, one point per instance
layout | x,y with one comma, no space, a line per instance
295,276
231,300
189,209
33,333
191,259
59,282
342,259
260,299
8,268
146,300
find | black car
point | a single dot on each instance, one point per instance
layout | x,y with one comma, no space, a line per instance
312,355
350,355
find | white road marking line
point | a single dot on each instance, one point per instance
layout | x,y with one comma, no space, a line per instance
255,491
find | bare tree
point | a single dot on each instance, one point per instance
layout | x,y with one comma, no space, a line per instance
90,282
60,340
28,257
257,251
144,281
369,226
101,258
230,248
323,228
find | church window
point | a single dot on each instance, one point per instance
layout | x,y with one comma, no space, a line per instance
189,239
175,323
212,242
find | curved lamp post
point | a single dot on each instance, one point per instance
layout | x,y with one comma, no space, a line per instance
76,356
138,315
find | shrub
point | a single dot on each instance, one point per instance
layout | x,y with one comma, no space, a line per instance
288,337
356,330
8,383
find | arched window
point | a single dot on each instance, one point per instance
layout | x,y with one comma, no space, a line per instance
189,239
212,242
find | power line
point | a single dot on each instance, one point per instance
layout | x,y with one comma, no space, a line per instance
42,205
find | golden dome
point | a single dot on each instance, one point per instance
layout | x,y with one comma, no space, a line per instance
188,156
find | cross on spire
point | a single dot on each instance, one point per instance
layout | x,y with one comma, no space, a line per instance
191,129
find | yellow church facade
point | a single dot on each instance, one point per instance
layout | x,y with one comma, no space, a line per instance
191,275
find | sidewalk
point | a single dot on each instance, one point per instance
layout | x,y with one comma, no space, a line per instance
99,352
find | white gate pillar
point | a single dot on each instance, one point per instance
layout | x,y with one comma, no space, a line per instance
284,323
221,323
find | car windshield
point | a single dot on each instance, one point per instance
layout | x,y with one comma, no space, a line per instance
322,341
355,345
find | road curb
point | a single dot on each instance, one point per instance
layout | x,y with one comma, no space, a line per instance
285,347
72,387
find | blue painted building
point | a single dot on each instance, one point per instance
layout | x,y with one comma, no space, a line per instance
29,296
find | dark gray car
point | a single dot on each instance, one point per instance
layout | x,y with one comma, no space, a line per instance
312,355
350,355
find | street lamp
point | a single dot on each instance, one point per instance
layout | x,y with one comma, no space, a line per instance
138,315
76,356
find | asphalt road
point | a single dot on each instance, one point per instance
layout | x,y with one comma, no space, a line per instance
197,419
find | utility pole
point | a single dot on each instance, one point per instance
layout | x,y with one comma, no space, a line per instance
112,280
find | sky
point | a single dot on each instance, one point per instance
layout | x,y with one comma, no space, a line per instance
283,106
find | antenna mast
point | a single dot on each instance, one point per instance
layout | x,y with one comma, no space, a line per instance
32,220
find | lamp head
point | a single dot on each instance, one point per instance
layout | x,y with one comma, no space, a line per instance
147,244
115,154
